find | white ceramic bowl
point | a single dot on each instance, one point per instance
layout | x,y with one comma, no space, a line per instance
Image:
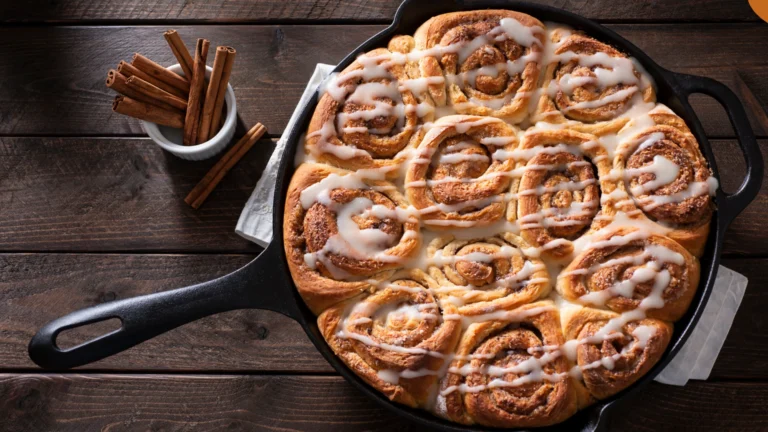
171,138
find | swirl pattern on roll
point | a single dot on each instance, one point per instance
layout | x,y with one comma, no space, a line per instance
459,176
483,63
589,82
612,354
490,382
449,180
488,274
396,338
340,231
627,270
666,176
558,194
365,119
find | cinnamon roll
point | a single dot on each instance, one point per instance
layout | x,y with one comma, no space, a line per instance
505,374
486,274
341,231
611,354
665,175
461,172
557,198
589,84
367,117
482,62
531,155
632,270
396,339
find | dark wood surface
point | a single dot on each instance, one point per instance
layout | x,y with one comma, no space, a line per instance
237,11
37,288
274,63
96,402
91,211
126,194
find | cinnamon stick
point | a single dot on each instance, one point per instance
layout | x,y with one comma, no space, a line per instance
199,194
144,111
155,70
129,70
222,90
180,51
194,103
210,95
156,93
118,82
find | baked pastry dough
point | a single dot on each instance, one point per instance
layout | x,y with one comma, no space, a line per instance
495,75
504,376
456,177
451,180
327,244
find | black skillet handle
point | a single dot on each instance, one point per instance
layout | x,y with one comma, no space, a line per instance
260,284
736,202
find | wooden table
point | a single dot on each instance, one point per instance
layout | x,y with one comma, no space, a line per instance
92,211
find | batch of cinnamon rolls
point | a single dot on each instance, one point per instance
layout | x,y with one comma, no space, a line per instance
495,221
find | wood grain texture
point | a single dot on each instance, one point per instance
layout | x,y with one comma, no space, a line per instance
742,355
114,193
352,10
117,194
275,62
84,403
120,194
37,288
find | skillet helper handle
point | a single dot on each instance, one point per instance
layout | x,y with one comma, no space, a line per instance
736,202
145,317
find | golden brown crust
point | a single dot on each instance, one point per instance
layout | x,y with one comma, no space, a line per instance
630,350
365,140
509,280
562,213
410,319
466,190
505,93
307,230
557,105
627,260
473,341
503,346
670,138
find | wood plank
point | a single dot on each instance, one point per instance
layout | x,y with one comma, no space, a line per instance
118,194
745,352
353,10
37,288
721,406
747,83
743,234
275,62
84,403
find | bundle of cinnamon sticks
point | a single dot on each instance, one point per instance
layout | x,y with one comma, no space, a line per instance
150,92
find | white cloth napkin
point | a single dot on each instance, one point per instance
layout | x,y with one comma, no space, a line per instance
255,223
693,361
698,355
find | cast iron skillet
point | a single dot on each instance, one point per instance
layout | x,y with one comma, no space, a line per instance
265,283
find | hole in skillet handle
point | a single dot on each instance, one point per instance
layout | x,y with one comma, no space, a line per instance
79,335
735,203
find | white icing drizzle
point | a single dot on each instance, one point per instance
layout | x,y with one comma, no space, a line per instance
377,87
